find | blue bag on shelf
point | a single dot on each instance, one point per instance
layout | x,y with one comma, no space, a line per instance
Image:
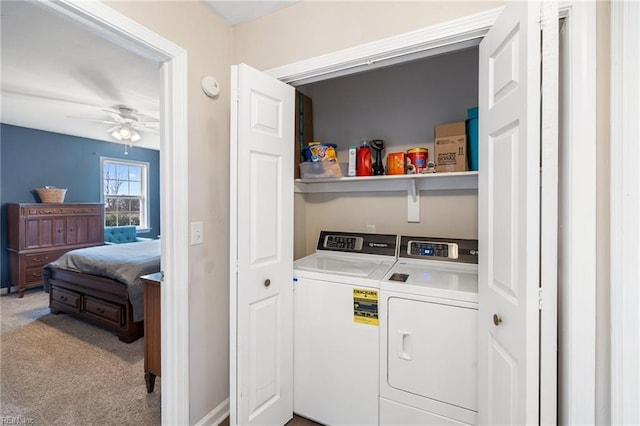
472,137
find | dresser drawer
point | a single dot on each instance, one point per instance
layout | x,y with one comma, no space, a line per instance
41,259
67,298
32,275
104,310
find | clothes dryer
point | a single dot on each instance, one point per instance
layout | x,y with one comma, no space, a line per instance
428,334
336,321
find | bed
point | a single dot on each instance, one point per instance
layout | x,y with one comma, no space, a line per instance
102,285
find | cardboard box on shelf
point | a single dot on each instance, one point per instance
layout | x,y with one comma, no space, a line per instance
450,147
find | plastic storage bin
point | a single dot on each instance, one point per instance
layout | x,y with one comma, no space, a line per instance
323,169
472,138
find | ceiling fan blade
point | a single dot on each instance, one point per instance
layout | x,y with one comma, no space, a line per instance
147,126
146,129
91,119
117,117
113,129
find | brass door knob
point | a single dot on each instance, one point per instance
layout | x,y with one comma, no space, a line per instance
496,319
267,282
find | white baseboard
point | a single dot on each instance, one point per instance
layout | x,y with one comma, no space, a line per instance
216,416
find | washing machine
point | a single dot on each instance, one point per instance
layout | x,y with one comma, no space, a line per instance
336,327
428,334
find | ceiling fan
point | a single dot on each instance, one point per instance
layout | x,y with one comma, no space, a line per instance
126,123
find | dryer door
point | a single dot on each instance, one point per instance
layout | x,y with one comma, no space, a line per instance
432,350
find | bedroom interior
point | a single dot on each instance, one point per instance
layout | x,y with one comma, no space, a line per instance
63,342
93,372
67,330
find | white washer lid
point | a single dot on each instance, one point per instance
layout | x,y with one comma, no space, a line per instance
343,265
355,269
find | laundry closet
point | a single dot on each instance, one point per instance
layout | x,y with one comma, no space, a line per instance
392,372
400,104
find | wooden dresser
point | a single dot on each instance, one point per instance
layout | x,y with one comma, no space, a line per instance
39,233
152,364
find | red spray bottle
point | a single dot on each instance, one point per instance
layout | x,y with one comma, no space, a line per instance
363,159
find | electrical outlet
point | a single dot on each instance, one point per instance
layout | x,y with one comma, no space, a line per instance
371,229
197,232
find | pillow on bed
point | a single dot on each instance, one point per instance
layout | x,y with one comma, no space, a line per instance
121,235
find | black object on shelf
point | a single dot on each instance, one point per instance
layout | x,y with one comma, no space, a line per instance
377,145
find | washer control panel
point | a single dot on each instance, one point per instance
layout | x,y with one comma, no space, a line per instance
433,249
348,242
354,242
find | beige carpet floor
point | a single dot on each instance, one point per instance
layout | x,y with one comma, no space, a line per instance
59,370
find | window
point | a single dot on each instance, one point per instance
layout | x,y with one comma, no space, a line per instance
124,192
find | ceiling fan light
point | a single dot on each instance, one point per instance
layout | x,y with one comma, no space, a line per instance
125,132
134,136
116,134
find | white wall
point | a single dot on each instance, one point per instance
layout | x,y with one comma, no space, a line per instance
452,214
312,28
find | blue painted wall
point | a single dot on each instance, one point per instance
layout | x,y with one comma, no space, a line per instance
32,158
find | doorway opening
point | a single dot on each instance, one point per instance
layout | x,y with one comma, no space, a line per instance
101,19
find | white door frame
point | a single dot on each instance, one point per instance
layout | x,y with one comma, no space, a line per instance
576,399
577,218
121,30
625,210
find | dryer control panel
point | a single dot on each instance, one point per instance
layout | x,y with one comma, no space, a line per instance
429,248
433,249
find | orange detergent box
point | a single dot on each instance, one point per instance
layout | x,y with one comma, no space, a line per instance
450,147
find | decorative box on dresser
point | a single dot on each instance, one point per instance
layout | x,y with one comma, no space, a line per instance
40,233
152,363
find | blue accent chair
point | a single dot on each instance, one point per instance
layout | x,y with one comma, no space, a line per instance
121,234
